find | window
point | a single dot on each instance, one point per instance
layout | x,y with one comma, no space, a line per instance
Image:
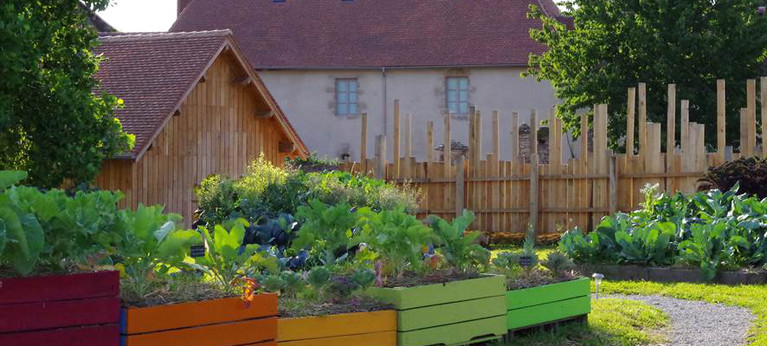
457,95
346,96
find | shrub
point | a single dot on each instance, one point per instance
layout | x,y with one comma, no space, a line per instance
750,174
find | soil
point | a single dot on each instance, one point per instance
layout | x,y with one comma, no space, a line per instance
179,292
412,279
297,307
537,277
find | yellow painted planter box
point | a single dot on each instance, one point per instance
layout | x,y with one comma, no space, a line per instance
360,328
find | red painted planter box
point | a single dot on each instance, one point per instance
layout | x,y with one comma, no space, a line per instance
76,309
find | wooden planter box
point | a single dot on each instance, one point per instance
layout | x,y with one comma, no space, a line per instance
549,303
76,309
458,312
213,322
361,328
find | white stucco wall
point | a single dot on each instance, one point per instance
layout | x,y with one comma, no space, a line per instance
307,97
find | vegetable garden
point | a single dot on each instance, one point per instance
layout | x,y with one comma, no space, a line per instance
277,256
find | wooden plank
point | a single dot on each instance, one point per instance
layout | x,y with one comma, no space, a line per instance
191,314
534,191
613,188
106,335
671,124
685,126
409,135
751,124
395,149
380,167
763,104
364,138
447,148
59,287
58,314
515,142
496,136
642,117
430,141
630,121
720,119
320,327
746,149
235,333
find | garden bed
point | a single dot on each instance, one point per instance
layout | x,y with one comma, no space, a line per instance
457,312
359,328
71,309
548,303
672,274
228,321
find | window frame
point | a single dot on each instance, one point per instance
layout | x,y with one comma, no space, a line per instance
459,92
347,95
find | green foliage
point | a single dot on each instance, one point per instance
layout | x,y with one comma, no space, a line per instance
226,259
319,277
528,247
748,173
711,230
557,263
398,238
52,123
328,229
266,191
10,178
150,246
460,249
613,45
313,163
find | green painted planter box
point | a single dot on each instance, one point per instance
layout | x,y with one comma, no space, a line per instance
549,303
454,313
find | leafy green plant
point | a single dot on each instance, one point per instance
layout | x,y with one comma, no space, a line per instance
747,174
460,249
558,264
528,246
226,258
328,229
398,238
319,277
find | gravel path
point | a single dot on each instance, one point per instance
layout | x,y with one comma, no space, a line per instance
701,323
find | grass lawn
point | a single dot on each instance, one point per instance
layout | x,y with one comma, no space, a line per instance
753,297
611,322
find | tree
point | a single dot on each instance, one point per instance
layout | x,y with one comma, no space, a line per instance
612,45
52,123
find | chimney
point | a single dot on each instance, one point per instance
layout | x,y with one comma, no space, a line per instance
180,5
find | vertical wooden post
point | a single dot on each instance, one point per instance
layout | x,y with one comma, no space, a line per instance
671,125
751,126
396,143
496,136
555,140
763,103
720,119
685,127
430,141
516,162
409,135
460,180
746,150
447,150
472,137
380,167
613,185
630,122
478,139
533,133
642,118
585,137
364,139
534,191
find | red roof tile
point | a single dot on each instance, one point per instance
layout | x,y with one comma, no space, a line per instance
373,33
152,73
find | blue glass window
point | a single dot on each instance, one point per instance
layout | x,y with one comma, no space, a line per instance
457,97
346,97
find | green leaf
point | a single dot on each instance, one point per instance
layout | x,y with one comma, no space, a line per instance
9,178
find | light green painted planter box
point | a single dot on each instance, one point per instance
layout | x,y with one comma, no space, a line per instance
549,303
454,313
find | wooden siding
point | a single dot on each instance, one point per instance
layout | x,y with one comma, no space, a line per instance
215,132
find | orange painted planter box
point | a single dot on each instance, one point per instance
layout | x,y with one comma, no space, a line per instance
213,322
359,328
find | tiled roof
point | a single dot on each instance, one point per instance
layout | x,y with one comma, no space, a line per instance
373,33
152,73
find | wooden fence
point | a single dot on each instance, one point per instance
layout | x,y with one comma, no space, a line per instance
508,195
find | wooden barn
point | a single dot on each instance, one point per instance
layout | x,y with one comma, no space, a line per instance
196,106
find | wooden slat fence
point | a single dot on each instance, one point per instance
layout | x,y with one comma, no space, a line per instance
508,195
